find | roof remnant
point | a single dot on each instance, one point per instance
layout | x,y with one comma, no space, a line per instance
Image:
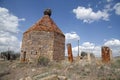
45,24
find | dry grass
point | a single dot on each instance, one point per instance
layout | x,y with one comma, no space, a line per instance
78,70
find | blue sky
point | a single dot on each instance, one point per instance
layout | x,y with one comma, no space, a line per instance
95,23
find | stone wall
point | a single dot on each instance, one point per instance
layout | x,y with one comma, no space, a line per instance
42,43
38,43
59,46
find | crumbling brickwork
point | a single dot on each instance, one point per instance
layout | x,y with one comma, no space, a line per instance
70,56
43,39
106,54
59,47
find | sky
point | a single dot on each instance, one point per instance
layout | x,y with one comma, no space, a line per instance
95,23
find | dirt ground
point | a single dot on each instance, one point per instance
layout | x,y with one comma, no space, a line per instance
78,70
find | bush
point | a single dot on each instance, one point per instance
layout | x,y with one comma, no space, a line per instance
9,55
43,61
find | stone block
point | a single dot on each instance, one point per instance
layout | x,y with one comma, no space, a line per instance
70,56
106,54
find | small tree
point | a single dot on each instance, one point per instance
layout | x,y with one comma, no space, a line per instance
9,55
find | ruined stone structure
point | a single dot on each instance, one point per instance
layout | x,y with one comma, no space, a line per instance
70,56
43,39
106,54
87,56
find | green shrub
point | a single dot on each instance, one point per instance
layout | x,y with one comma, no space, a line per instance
43,61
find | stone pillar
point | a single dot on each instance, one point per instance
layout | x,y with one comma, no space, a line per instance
111,57
70,56
106,54
89,57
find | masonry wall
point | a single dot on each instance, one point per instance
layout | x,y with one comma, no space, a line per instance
42,43
38,43
24,48
59,46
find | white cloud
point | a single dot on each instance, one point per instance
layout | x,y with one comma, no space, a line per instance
91,48
8,22
117,8
9,41
108,8
114,44
88,15
87,47
72,36
8,29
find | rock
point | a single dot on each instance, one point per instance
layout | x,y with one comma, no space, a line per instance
62,78
51,77
33,70
14,66
21,79
87,70
28,78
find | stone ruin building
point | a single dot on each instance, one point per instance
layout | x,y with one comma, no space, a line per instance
70,56
106,54
87,56
45,39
